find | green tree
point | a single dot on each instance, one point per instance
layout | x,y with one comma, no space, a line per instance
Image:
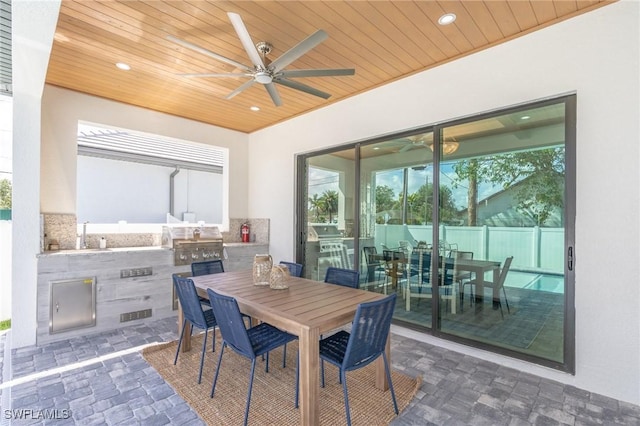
384,198
315,205
329,202
421,205
539,173
5,194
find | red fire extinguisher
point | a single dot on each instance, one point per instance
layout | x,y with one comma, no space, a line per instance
244,232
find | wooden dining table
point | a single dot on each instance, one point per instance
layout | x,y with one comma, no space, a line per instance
306,309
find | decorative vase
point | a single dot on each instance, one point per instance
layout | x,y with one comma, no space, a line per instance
262,264
279,276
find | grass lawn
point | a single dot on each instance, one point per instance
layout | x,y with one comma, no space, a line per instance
5,324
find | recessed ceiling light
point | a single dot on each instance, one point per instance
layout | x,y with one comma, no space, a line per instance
254,108
123,66
447,19
375,148
525,117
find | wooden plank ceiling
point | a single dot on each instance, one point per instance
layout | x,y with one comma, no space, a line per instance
382,40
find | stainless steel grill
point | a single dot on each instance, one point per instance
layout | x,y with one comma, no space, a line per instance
193,243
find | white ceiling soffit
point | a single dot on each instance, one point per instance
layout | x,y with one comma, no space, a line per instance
5,47
120,145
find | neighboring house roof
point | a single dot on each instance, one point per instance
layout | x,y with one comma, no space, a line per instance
500,209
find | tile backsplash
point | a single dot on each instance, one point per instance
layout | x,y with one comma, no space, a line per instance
63,230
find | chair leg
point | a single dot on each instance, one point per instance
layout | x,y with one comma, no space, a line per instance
215,379
393,394
284,356
184,325
253,370
505,299
204,349
343,376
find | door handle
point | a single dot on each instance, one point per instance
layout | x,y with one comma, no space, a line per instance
570,258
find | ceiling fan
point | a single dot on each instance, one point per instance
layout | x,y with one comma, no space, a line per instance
417,141
265,71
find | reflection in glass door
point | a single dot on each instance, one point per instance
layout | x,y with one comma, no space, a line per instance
329,217
502,269
468,222
396,212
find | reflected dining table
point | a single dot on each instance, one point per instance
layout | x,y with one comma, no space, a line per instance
306,309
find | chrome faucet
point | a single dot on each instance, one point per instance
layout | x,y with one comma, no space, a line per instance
83,240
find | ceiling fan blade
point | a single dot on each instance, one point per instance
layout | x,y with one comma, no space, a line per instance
245,86
317,72
406,147
302,87
245,38
207,52
298,50
273,92
213,74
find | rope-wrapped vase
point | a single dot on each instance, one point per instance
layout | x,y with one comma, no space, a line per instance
262,264
279,277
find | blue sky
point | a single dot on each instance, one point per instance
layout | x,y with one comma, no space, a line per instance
321,180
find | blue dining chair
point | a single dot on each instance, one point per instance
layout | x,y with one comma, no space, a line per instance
205,268
295,269
194,314
343,277
250,343
366,343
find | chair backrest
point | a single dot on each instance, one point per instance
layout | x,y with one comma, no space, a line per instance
459,254
188,296
504,271
369,255
208,267
230,323
369,332
295,269
344,277
425,254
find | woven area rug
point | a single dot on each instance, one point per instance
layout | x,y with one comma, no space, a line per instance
273,393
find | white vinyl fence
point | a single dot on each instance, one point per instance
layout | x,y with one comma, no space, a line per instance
5,269
535,248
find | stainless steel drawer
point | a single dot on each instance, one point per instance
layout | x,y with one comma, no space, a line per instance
73,304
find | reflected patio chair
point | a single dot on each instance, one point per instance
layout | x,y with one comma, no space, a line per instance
194,314
295,269
395,264
374,264
499,285
343,277
365,344
250,343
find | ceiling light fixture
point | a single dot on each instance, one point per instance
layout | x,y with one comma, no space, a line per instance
123,66
525,117
448,147
254,108
447,18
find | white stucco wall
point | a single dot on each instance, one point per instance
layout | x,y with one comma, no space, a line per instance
595,55
61,111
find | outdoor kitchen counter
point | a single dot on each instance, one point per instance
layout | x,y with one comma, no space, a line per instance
102,251
127,280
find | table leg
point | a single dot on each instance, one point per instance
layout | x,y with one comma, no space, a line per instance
309,350
381,378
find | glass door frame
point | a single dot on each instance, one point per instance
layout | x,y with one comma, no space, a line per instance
570,104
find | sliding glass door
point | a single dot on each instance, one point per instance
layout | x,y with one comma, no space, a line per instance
470,222
329,190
